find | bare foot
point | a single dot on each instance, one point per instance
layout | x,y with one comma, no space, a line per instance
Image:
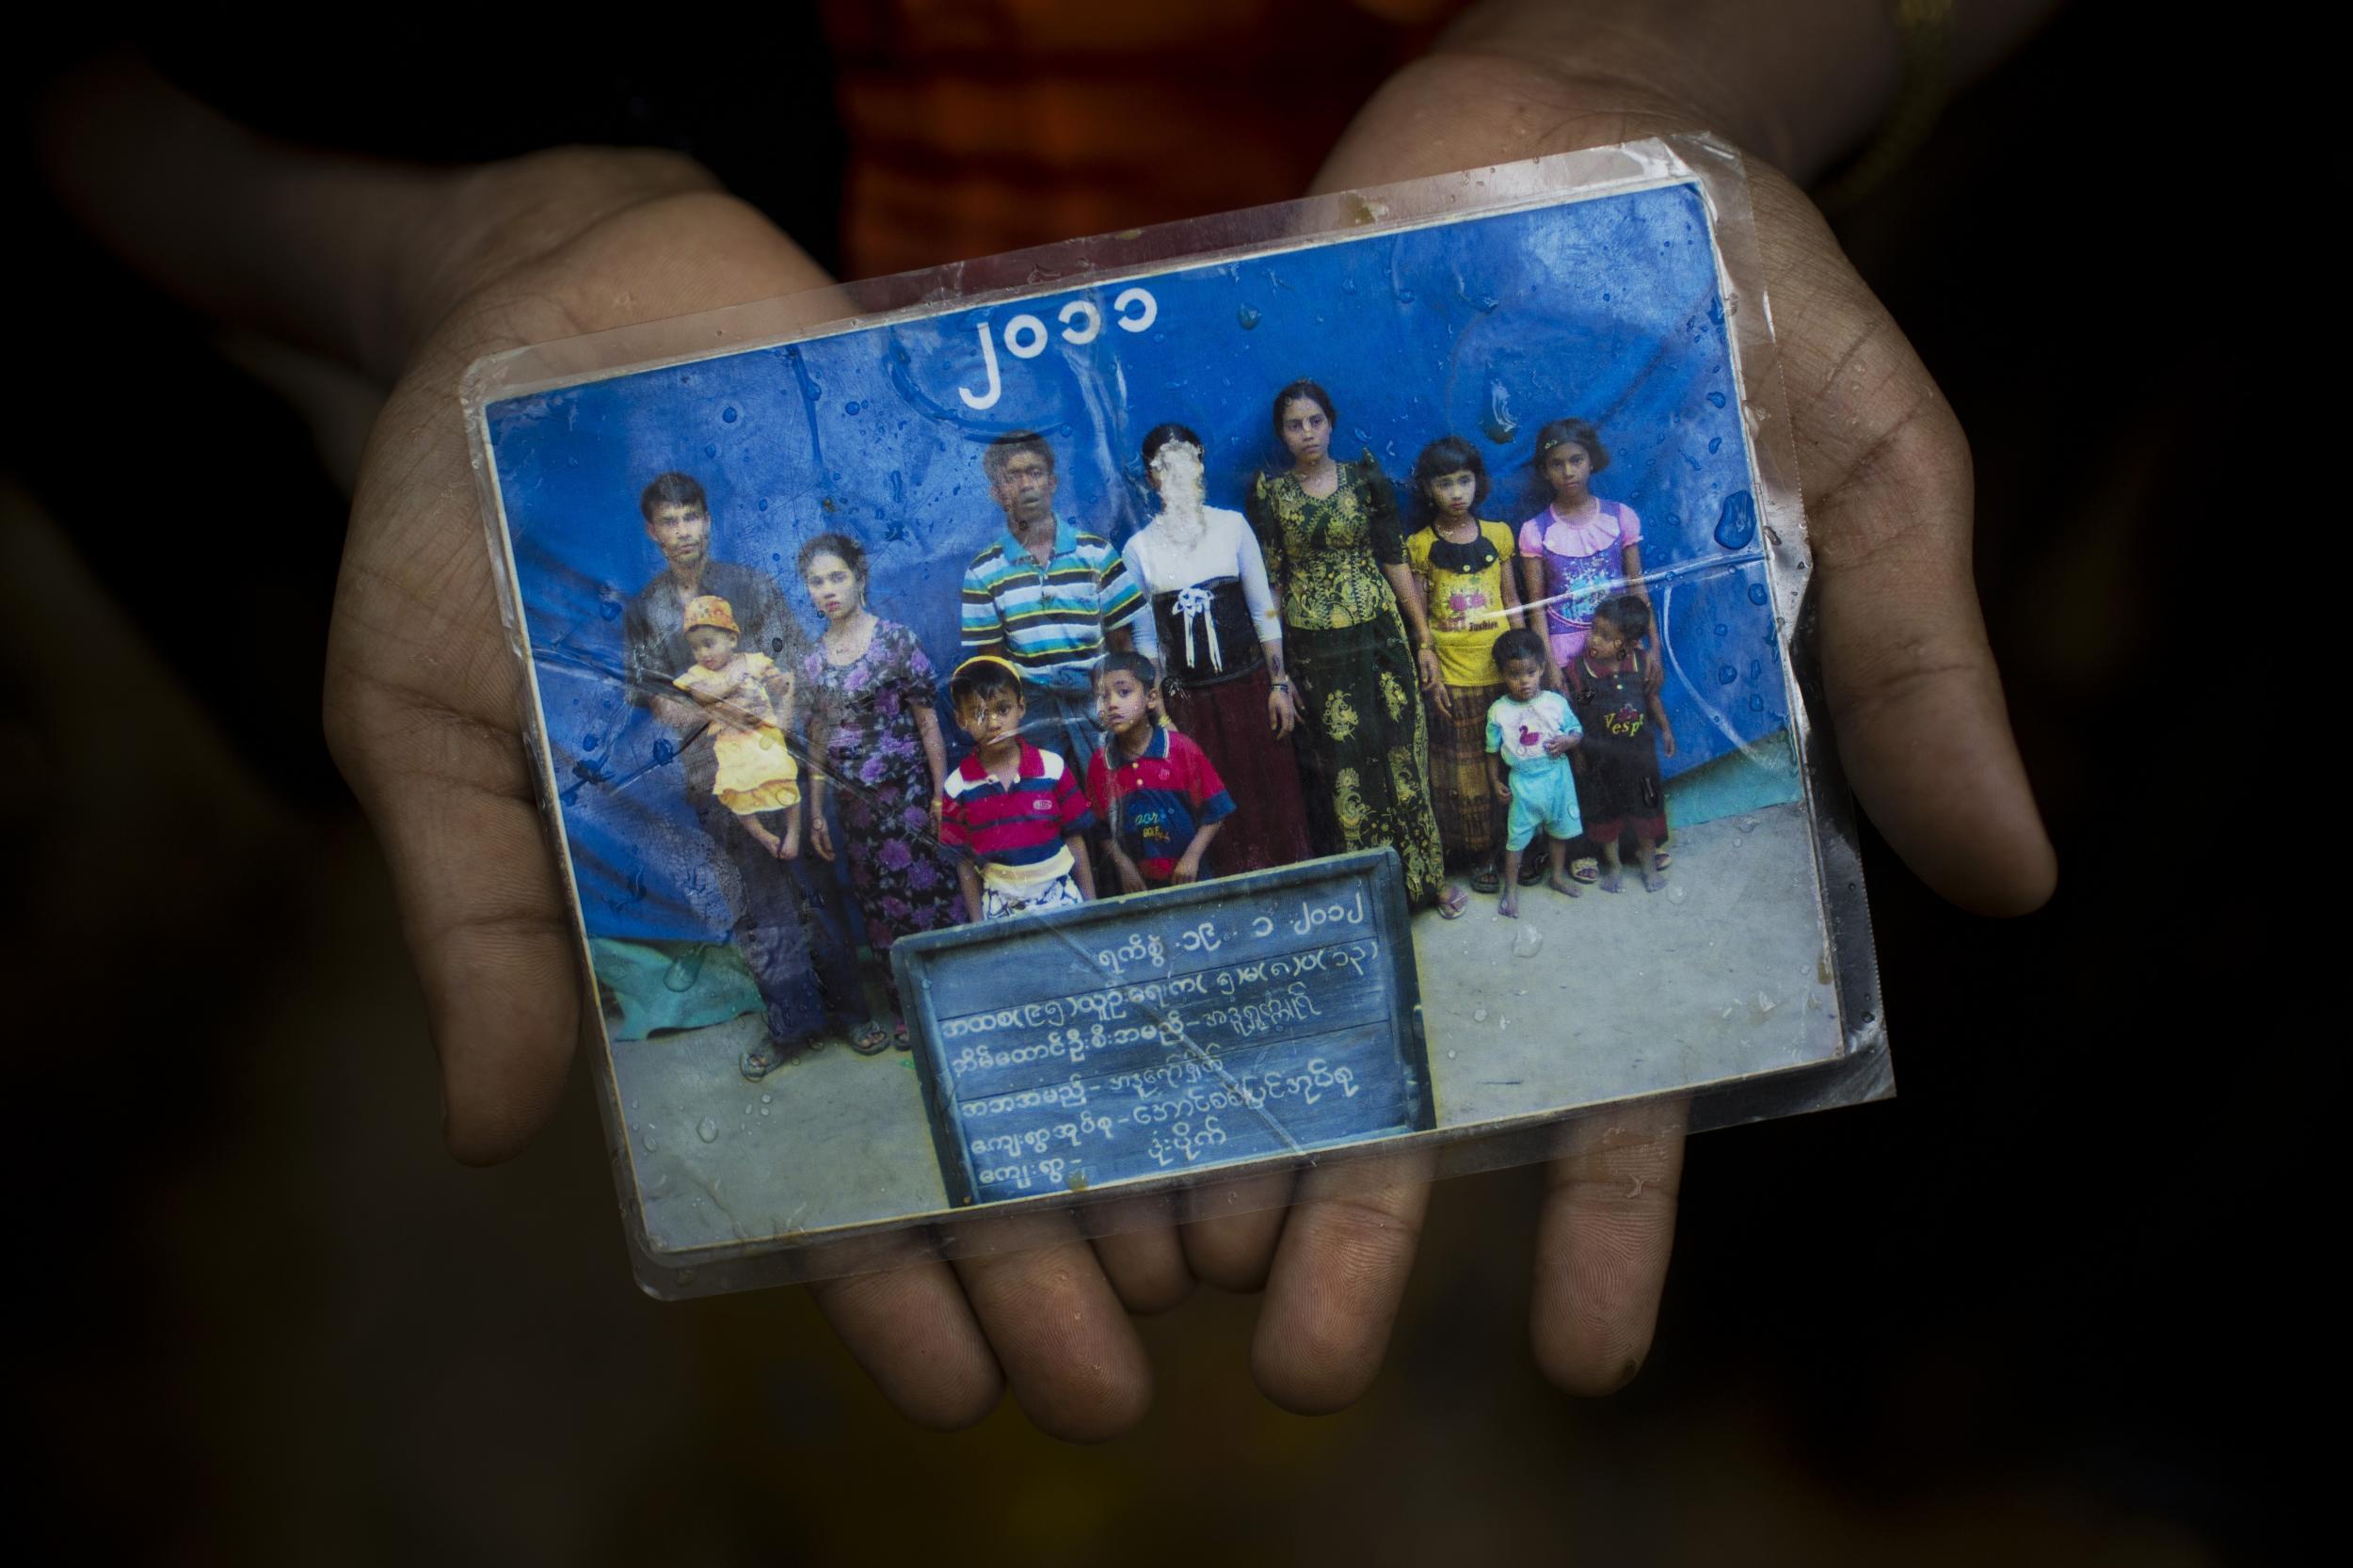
1654,880
1509,905
1612,880
1560,881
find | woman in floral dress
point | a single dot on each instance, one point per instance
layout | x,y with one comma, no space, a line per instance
1335,555
874,742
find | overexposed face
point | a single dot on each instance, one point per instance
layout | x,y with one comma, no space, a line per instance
1176,472
1605,640
712,646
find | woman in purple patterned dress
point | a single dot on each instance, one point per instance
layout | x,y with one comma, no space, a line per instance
873,737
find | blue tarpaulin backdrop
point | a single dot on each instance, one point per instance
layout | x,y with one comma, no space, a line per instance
1605,310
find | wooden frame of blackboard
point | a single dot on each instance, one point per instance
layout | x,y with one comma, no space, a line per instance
1166,919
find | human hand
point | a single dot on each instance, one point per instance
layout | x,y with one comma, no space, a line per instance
1560,745
422,707
1281,714
789,847
1131,879
1503,791
1187,867
1914,698
1667,738
820,836
1426,661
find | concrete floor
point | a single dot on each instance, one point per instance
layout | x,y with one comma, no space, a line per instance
1718,977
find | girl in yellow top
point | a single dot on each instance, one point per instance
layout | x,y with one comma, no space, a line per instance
748,701
1469,582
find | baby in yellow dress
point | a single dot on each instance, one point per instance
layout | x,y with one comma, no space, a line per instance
749,703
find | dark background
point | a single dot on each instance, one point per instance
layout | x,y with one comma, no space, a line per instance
2043,1306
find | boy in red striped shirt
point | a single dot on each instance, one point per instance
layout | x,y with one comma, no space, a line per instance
1014,815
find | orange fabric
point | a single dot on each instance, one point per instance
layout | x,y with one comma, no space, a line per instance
979,127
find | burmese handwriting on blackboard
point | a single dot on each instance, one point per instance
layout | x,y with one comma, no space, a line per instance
1175,1030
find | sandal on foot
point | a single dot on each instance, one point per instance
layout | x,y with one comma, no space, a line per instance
1487,879
1452,901
1531,869
1586,870
870,1039
761,1060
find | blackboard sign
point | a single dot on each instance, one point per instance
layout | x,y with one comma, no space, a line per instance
1170,1031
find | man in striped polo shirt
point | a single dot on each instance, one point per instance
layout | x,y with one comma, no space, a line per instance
1048,598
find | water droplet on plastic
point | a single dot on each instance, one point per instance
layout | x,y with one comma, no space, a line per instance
710,452
1674,894
727,416
1736,526
1247,316
763,1111
1348,285
766,1098
1478,1015
1487,302
763,503
663,750
1748,824
1529,943
1756,704
1716,398
1726,675
1716,312
1721,630
708,1130
1756,593
1405,296
685,969
851,406
1715,444
646,1143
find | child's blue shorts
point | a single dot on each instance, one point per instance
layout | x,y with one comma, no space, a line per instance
1544,800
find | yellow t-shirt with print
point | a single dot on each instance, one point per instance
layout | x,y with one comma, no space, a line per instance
1462,586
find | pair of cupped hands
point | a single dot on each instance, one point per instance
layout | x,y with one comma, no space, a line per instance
424,702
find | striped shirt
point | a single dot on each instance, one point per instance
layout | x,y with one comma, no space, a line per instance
1013,832
1051,621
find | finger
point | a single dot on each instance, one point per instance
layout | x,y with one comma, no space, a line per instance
1338,1275
1232,1230
1141,1254
1068,1351
916,1335
1913,693
1601,1242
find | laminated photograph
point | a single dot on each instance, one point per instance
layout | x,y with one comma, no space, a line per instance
1176,705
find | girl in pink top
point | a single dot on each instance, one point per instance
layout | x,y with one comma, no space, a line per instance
1581,549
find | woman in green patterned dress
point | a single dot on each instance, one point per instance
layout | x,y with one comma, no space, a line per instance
1335,557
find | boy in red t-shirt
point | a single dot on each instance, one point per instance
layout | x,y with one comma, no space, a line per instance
1156,790
1015,818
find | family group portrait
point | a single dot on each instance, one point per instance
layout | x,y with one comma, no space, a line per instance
1443,541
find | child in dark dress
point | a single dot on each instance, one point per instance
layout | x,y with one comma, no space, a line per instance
1617,768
